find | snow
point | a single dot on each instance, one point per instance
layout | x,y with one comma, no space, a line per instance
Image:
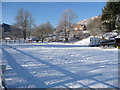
118,36
7,38
59,65
92,40
110,34
1,74
84,42
0,67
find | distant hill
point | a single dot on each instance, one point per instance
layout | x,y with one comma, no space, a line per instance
91,23
89,20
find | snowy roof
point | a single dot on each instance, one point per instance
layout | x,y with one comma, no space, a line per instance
7,38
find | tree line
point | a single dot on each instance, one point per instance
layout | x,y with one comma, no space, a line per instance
107,22
25,22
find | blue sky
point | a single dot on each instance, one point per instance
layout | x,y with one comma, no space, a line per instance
50,11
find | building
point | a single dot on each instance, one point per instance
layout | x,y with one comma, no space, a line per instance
79,27
10,31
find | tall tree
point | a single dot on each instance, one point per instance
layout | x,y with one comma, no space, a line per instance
66,21
24,21
43,30
109,15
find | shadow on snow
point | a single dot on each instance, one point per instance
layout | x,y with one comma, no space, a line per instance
40,83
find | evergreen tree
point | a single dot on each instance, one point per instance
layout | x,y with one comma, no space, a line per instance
109,15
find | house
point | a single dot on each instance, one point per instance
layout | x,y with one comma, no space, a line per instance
79,27
10,31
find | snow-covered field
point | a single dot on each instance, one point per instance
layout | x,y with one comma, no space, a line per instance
46,65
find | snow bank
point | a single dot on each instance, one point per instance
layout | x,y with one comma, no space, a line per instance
89,41
83,42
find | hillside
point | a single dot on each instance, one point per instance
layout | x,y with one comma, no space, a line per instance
89,20
92,23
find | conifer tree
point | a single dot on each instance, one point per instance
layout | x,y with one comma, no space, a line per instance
109,15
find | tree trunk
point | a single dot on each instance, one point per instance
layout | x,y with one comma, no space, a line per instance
24,33
42,39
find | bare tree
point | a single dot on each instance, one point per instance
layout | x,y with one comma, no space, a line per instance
43,31
36,32
24,21
30,24
66,21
